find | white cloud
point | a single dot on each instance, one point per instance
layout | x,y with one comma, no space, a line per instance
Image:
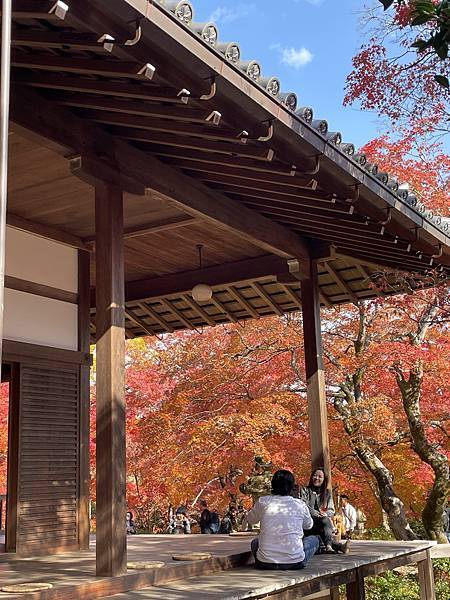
225,14
296,57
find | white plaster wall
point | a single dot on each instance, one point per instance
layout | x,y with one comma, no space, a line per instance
43,261
37,320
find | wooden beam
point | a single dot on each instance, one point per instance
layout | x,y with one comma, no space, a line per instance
268,299
293,189
141,91
223,310
34,9
188,194
292,295
356,589
111,546
38,289
57,39
203,130
282,177
199,310
341,283
179,315
173,156
82,66
232,147
315,376
426,578
218,275
139,322
157,317
243,301
84,14
46,231
130,107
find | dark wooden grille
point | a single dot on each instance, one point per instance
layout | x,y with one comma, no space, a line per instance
48,454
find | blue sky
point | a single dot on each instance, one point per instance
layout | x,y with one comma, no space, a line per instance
308,44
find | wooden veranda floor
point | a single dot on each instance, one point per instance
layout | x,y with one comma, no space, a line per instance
73,575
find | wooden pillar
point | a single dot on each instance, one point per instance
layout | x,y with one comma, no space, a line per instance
315,377
426,579
356,589
110,425
84,302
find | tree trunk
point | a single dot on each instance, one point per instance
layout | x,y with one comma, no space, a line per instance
437,499
390,502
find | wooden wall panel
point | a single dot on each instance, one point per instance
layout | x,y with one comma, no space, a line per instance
48,482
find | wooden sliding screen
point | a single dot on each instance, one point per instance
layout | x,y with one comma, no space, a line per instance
48,479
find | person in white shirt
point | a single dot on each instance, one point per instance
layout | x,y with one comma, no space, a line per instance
349,514
282,519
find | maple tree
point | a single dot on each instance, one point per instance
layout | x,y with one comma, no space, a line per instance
435,15
390,78
4,413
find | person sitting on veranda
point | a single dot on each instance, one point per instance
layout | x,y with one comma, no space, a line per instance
319,500
281,543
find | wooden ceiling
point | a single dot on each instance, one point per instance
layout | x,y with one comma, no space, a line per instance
206,158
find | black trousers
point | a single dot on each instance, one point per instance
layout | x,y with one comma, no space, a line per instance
323,527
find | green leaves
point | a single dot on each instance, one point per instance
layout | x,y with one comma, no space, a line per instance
436,19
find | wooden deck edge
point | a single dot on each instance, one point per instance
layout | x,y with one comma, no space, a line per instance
440,551
328,581
102,587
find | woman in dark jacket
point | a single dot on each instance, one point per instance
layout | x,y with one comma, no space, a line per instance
321,507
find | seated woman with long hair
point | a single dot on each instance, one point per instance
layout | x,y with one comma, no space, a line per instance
281,543
319,500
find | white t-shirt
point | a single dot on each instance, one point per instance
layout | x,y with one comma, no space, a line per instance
349,514
282,520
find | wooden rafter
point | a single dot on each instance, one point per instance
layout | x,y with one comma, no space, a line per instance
127,123
223,310
156,316
263,294
292,295
366,275
139,322
285,178
341,283
177,313
143,91
243,302
199,310
232,147
60,126
131,107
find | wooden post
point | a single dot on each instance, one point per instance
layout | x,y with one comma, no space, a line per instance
426,578
356,589
84,298
334,593
315,377
111,467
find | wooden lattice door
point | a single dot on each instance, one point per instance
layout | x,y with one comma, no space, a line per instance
48,459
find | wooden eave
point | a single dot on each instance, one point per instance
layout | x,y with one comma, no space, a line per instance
201,120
